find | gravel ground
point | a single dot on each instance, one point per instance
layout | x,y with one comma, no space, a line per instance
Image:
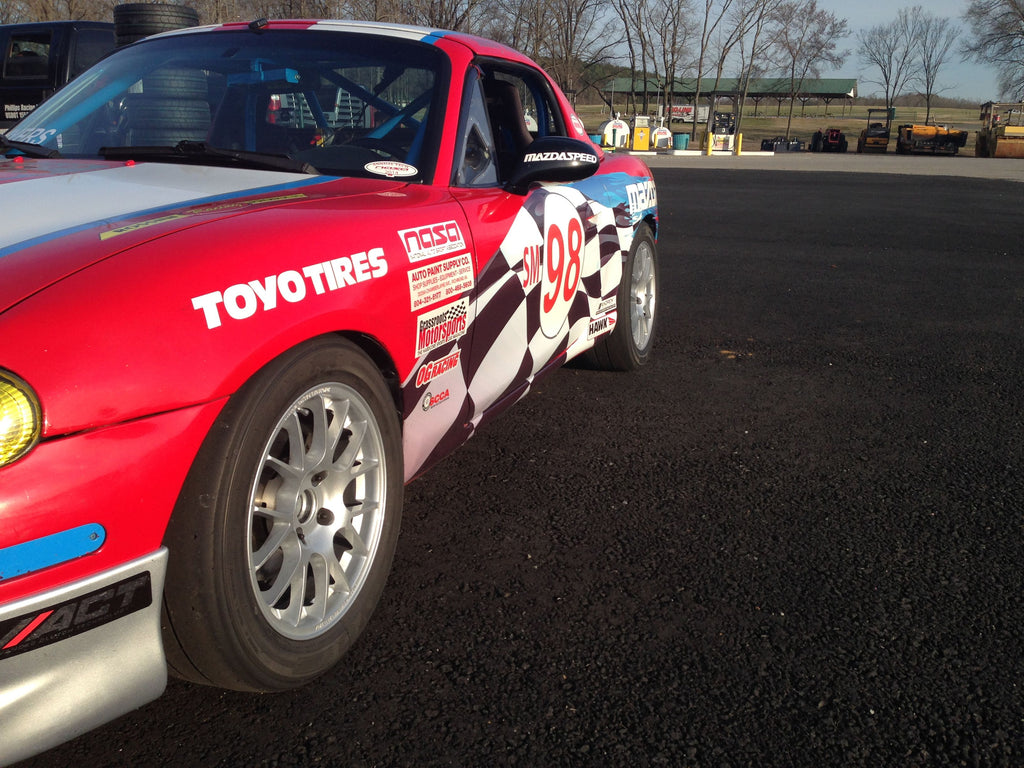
794,540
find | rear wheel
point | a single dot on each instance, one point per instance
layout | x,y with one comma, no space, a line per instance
283,536
628,346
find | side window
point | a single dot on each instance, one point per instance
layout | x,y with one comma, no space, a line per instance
90,47
476,166
520,108
27,55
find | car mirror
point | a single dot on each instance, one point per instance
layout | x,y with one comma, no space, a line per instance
553,158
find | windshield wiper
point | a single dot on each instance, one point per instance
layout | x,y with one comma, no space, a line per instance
188,151
26,148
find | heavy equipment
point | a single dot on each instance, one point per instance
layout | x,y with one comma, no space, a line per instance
828,140
875,137
1002,130
929,140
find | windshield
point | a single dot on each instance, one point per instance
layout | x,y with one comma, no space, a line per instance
343,103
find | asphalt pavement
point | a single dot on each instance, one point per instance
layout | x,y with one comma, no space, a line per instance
795,539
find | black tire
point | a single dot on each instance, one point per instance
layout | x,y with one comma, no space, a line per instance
134,21
164,122
248,538
628,346
176,83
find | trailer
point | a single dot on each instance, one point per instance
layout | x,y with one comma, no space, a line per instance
1002,130
929,140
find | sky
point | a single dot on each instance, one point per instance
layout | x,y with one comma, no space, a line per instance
956,79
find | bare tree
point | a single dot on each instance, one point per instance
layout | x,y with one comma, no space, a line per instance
634,15
672,36
56,10
713,13
997,38
892,50
577,37
755,44
935,38
807,37
520,24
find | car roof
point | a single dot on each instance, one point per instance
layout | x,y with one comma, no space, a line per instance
478,45
76,24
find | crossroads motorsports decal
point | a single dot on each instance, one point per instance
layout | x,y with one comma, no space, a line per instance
445,324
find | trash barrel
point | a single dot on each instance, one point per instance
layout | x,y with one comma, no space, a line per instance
680,140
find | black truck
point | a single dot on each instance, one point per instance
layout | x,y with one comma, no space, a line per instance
39,58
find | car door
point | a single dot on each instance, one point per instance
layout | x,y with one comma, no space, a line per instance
538,257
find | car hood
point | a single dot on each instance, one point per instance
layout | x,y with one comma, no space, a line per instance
60,216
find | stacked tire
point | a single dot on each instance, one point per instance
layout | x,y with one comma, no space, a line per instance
134,21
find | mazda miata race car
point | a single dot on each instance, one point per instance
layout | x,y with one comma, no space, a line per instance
254,278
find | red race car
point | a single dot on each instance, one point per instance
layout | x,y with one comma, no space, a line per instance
254,278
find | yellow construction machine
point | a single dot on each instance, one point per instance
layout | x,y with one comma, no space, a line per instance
929,140
1002,130
875,138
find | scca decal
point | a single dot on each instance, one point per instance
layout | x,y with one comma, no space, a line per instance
241,301
430,401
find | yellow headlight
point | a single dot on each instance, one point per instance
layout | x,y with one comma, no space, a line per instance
20,418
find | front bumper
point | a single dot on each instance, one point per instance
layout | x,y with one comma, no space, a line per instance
80,655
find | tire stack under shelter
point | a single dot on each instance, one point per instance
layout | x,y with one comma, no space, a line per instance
134,21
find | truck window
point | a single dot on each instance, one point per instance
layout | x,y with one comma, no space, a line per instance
91,46
27,56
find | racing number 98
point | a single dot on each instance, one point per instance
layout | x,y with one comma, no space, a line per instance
563,255
563,268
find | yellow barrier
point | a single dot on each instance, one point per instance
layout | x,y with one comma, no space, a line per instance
739,143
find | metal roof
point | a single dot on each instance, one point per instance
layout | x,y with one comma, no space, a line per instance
760,87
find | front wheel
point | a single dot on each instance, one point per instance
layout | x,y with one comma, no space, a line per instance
283,535
628,346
